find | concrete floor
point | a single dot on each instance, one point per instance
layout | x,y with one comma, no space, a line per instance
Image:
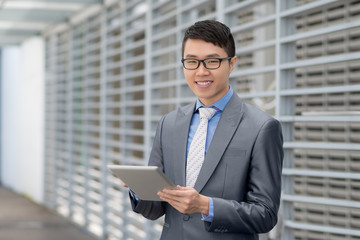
22,219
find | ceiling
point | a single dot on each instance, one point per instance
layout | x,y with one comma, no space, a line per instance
21,19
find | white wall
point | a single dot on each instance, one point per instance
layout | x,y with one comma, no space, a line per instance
23,118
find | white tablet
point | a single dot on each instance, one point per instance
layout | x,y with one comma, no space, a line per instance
144,181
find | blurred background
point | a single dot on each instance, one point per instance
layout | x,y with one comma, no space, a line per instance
84,82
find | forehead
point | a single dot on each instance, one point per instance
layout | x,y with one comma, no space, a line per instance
200,48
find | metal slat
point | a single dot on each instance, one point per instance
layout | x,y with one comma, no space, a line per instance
322,229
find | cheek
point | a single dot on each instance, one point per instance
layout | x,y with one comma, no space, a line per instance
188,77
189,82
222,76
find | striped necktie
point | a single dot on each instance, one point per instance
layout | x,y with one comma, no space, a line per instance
196,153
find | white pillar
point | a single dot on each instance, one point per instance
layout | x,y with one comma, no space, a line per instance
23,118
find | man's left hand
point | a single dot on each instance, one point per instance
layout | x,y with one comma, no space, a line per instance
186,200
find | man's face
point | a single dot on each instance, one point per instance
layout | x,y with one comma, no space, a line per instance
208,85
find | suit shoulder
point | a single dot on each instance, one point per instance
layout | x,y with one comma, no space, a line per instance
257,116
183,110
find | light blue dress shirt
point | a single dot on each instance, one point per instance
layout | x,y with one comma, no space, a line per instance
212,124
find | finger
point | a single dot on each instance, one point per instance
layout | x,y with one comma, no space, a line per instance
123,184
171,201
169,197
175,204
178,187
170,193
189,189
175,192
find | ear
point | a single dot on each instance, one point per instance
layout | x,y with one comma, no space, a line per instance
232,63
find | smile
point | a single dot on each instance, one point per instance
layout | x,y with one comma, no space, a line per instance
204,83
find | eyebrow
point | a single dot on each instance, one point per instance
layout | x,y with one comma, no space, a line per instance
207,56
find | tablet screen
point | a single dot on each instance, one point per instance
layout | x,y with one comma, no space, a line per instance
144,181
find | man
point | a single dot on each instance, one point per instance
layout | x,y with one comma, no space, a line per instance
230,189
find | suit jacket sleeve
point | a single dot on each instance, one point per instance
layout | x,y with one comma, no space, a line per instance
258,212
152,209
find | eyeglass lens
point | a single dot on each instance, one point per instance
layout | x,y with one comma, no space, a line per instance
208,63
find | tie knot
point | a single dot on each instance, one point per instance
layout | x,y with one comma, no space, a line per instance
207,113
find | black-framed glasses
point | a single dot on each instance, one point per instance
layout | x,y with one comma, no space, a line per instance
209,63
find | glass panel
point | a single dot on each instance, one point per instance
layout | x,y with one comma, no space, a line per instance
254,83
267,104
257,58
252,13
260,34
337,74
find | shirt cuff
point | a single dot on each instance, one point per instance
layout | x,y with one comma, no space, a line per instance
135,198
209,218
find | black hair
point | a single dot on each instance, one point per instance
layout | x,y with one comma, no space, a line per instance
211,31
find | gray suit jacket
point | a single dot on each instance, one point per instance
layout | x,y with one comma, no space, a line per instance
241,172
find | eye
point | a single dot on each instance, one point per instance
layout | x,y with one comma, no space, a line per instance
212,61
191,61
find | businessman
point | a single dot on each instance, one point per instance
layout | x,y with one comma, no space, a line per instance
224,155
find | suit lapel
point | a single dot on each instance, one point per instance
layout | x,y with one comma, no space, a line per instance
181,131
229,121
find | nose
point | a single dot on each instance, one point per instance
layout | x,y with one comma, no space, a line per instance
202,70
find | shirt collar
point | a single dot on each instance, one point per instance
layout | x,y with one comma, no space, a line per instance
220,104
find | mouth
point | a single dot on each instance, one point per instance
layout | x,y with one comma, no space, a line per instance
203,83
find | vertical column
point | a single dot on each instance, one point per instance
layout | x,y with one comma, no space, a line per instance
149,226
285,105
103,121
57,172
116,199
78,130
178,44
0,115
147,83
220,6
123,118
133,134
84,124
61,118
50,168
69,117
52,108
93,120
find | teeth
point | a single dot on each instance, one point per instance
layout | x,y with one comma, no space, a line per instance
203,83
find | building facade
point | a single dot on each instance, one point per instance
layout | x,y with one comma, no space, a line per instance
112,72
